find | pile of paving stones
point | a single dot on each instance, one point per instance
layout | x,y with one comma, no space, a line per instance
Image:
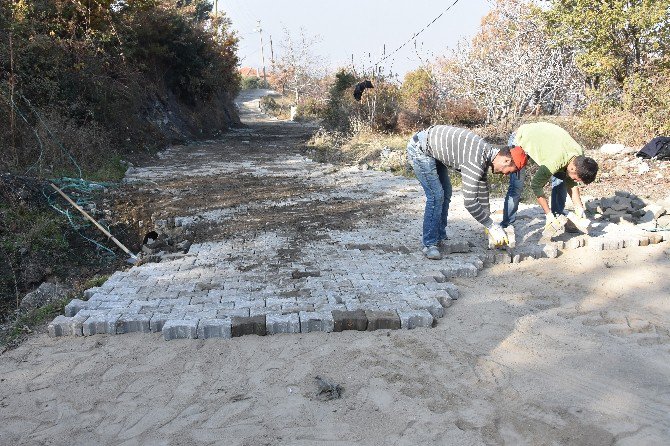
625,208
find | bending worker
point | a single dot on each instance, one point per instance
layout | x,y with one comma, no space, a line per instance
560,159
430,151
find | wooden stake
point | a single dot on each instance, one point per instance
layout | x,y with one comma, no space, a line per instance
98,225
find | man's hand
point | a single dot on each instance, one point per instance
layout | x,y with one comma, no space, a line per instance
579,212
553,224
497,235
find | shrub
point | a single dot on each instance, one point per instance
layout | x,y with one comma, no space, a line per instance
278,106
90,83
253,82
310,109
459,112
419,94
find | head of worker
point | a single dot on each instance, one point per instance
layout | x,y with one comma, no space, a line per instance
509,160
582,169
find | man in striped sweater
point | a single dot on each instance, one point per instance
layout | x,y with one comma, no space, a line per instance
431,151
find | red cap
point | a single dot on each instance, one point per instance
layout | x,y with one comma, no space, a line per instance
519,157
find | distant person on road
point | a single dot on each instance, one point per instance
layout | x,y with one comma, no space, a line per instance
431,151
561,160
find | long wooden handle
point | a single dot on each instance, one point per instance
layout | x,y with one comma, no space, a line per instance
98,225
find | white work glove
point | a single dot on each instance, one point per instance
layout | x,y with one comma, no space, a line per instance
579,212
497,235
552,224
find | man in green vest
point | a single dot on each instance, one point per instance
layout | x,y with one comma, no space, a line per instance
561,160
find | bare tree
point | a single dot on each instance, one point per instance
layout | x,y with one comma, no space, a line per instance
298,69
510,67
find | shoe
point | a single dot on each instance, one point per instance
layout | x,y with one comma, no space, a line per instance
431,252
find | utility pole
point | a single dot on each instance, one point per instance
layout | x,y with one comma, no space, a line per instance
260,31
272,54
216,8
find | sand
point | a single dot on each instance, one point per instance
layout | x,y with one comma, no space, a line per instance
573,350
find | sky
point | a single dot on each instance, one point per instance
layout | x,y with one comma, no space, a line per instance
342,28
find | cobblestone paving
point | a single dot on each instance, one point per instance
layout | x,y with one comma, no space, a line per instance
370,277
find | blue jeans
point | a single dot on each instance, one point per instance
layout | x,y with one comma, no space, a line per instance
434,179
558,194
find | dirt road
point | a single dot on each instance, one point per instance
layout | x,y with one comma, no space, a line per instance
571,350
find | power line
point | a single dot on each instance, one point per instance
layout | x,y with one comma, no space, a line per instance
415,35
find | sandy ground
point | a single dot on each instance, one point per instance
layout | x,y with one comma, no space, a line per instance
573,350
559,351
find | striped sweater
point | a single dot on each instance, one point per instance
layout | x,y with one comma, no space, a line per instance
469,154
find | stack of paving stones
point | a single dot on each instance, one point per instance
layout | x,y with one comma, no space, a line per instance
371,277
624,208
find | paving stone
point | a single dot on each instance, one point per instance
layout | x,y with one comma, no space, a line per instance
529,252
428,278
282,323
550,251
279,302
655,238
511,236
394,306
575,242
297,308
74,306
103,323
349,320
382,320
648,217
437,276
595,244
236,312
433,305
157,320
245,303
611,244
462,270
316,321
180,329
558,244
151,309
341,307
204,298
410,319
452,247
127,323
655,209
630,242
621,207
91,291
262,311
241,325
66,326
214,328
502,257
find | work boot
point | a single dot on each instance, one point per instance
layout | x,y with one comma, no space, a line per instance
431,252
